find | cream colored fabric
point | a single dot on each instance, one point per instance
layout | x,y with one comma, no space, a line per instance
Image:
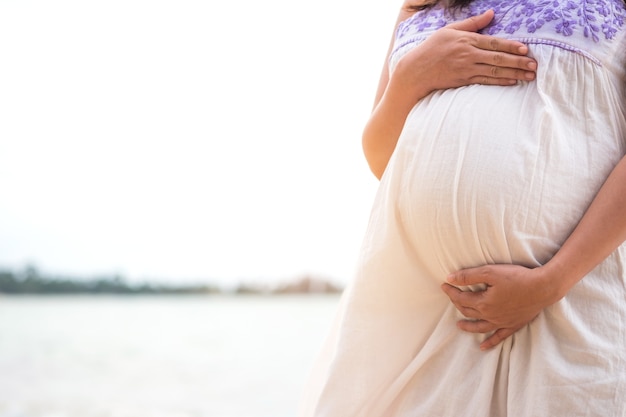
481,175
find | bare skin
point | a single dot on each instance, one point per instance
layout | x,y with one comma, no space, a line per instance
515,295
453,56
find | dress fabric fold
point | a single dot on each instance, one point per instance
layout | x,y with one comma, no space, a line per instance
486,175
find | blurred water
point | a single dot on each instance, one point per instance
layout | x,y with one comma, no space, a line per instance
175,356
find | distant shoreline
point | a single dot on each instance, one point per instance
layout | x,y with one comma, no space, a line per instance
30,281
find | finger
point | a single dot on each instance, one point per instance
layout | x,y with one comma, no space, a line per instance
476,326
489,75
458,296
468,312
462,300
470,276
451,291
497,338
492,81
474,23
492,43
500,59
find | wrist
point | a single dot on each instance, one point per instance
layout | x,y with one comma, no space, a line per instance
407,86
556,280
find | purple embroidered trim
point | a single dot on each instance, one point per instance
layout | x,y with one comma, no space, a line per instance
561,45
423,21
527,41
409,40
593,17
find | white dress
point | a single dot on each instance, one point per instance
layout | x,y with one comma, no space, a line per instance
483,175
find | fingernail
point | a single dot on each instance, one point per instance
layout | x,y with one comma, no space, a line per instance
532,65
523,50
530,75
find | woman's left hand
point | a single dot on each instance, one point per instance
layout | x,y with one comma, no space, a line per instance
513,297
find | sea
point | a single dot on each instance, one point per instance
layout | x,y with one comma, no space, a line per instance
158,356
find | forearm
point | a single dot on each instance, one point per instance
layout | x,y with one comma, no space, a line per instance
600,231
380,137
515,295
454,56
386,122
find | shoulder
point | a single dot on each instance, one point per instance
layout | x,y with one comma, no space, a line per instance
413,6
410,7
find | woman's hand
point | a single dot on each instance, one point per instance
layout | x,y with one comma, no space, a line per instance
456,56
513,297
453,56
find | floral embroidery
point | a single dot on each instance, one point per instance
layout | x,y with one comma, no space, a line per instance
591,17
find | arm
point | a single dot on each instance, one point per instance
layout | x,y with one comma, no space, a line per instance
515,295
453,56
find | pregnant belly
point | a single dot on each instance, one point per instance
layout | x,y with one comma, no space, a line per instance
484,178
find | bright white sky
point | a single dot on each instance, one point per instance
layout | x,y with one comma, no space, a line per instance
187,139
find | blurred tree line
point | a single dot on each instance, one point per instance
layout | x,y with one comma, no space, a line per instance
31,281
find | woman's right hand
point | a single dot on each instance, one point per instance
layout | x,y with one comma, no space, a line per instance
456,55
453,56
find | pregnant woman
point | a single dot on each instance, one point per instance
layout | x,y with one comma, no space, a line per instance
491,280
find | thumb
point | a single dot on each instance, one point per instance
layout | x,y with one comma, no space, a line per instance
474,23
466,277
